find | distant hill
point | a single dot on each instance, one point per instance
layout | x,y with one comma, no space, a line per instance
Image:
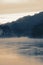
27,26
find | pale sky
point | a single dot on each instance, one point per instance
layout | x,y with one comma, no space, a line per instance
8,9
4,18
18,1
13,1
18,6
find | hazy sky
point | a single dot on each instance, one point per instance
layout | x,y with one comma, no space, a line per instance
4,18
18,6
13,1
18,1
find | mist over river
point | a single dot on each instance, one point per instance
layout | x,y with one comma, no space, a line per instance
21,51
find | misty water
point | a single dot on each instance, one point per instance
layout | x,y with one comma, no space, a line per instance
21,51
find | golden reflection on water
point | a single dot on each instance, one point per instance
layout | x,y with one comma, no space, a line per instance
18,60
9,53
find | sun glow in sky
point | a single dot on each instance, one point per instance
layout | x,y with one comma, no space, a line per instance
13,1
4,18
13,9
18,1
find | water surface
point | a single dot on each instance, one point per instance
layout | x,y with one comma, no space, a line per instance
21,51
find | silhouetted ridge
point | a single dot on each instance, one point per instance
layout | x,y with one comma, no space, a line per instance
28,26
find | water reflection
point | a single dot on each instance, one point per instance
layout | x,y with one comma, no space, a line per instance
33,49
